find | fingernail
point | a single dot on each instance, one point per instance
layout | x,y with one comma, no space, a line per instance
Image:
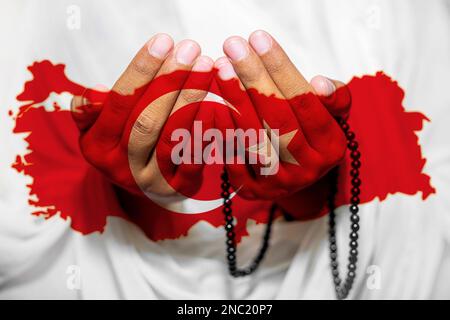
261,41
203,64
186,52
225,69
236,48
323,86
329,87
160,46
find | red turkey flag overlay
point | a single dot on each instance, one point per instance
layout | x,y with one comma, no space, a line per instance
66,185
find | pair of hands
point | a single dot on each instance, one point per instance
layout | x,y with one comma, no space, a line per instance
259,67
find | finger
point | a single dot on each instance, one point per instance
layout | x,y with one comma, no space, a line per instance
129,88
255,78
314,119
283,72
185,177
146,129
192,111
238,113
274,111
335,95
197,84
254,176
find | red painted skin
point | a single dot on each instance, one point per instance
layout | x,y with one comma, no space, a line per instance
65,183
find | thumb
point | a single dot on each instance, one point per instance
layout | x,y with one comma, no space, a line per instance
334,95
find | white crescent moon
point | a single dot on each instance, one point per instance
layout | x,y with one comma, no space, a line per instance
178,202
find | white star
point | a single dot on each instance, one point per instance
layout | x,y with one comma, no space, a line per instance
272,154
283,142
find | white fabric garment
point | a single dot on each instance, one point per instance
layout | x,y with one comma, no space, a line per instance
404,239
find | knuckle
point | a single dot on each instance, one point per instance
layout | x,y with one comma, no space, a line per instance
294,89
191,96
142,67
146,182
250,75
276,66
145,125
